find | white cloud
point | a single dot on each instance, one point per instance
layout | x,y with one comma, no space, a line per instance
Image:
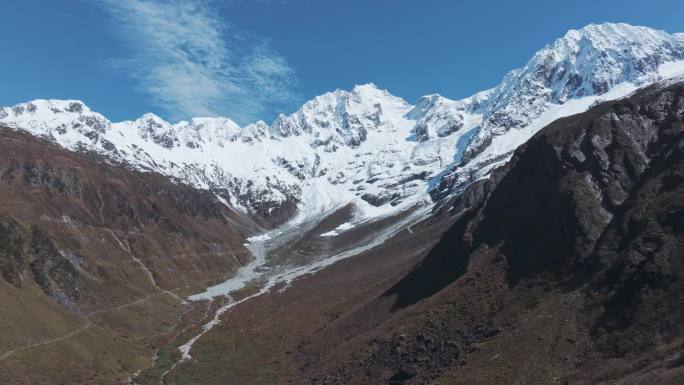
193,63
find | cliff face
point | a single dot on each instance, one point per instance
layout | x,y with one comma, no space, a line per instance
554,255
571,253
62,209
367,147
84,243
564,267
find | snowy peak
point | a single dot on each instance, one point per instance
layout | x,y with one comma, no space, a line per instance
368,88
586,62
436,116
591,60
611,36
151,127
254,132
47,110
595,58
193,134
365,146
583,67
200,131
285,126
341,118
70,120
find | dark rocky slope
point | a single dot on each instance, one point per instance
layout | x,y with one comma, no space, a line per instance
565,267
101,255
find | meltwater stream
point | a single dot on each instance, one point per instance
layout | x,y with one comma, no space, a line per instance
262,273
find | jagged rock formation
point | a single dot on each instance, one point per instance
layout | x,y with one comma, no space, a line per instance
576,241
99,256
366,146
566,238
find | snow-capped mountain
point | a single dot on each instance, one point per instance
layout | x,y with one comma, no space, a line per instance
598,62
367,147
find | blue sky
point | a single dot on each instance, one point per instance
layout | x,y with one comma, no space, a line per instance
250,59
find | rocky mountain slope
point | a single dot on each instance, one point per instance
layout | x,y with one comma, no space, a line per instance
444,236
367,147
96,260
564,267
571,253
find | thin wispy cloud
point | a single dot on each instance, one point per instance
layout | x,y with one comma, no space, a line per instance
191,62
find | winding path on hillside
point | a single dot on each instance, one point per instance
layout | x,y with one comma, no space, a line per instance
82,328
258,271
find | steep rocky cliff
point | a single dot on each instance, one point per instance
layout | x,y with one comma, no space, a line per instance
86,245
367,147
566,267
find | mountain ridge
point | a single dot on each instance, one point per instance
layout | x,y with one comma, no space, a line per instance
394,242
338,146
568,254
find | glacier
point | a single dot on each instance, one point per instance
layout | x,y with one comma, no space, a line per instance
366,147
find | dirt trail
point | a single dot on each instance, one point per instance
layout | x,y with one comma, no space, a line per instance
87,317
267,278
127,249
82,328
46,342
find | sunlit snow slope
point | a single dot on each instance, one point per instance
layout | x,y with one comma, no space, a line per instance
367,147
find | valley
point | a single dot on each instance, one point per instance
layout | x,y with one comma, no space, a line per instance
530,233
